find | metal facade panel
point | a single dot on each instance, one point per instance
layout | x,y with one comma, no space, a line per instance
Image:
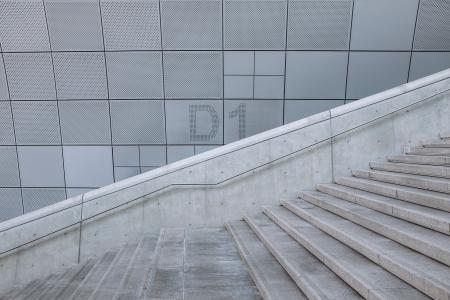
9,172
4,94
36,198
433,25
298,109
10,204
427,63
6,124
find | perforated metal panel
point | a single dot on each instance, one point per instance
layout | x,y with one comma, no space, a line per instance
193,74
85,122
23,26
74,25
35,198
195,24
137,122
131,25
254,24
36,122
433,25
9,172
41,166
30,76
3,85
80,75
320,25
134,75
6,125
10,204
194,121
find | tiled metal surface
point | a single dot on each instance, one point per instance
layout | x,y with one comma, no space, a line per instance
117,87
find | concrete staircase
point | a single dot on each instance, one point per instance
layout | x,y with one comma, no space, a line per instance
381,234
177,264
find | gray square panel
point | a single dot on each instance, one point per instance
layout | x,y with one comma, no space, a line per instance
6,125
238,87
146,126
74,26
244,118
239,62
80,75
319,25
316,75
36,122
10,204
36,198
193,74
88,166
383,24
122,173
30,76
134,75
202,148
176,153
126,156
9,172
373,72
254,24
194,122
85,122
152,155
195,24
433,25
269,87
41,166
23,26
131,25
427,63
72,192
147,169
4,95
298,109
269,62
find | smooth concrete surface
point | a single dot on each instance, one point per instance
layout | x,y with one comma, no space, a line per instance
422,272
227,182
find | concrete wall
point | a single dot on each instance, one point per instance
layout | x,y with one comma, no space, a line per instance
224,183
101,90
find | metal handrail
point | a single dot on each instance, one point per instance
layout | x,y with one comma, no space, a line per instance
223,154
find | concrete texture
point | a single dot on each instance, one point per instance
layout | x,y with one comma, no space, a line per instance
230,181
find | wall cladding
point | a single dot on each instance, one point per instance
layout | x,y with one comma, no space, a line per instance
92,92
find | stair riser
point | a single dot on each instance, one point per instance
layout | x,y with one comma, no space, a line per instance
435,171
346,275
307,289
412,182
408,275
401,213
429,151
441,255
437,145
420,160
400,194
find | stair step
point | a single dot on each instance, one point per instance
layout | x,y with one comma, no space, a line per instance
445,135
427,217
89,283
443,143
416,181
440,201
434,171
367,278
426,241
48,284
311,275
422,272
111,280
420,159
269,276
135,277
429,151
71,284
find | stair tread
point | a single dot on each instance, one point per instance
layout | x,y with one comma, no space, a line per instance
417,181
426,170
310,274
417,269
420,159
419,214
367,278
431,151
432,243
270,277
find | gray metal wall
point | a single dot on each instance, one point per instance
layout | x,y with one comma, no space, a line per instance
93,92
